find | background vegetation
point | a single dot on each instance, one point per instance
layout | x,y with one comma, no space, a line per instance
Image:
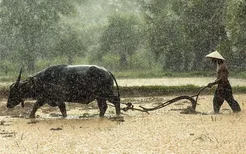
152,37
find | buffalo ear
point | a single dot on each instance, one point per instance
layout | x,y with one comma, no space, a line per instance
30,78
30,81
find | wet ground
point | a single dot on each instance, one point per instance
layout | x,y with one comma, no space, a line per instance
162,131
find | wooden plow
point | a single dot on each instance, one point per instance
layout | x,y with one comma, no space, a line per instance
193,99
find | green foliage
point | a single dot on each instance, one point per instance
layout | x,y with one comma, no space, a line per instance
165,35
236,25
149,91
29,26
188,90
70,45
239,74
236,14
181,33
110,61
120,37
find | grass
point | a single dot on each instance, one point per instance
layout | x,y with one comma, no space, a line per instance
161,90
240,74
7,78
150,73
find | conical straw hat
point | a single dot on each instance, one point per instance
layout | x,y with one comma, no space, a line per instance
215,55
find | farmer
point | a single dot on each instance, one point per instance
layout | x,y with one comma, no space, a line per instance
224,90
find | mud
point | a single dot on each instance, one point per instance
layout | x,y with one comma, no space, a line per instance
161,131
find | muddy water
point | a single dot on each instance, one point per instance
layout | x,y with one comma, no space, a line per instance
162,131
198,81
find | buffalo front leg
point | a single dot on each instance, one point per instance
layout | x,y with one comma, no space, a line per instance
62,108
37,105
102,106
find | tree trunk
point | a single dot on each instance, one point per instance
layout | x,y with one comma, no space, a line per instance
123,60
29,63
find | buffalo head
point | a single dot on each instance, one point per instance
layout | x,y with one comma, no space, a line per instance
15,94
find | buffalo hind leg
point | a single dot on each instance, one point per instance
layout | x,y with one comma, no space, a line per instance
37,105
116,101
102,106
62,108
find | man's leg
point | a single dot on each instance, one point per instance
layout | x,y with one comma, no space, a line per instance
217,101
231,101
229,98
233,104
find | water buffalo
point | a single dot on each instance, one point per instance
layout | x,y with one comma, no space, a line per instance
58,84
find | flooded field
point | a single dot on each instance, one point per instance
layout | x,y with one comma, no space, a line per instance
197,81
161,131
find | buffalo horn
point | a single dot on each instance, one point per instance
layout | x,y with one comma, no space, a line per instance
19,77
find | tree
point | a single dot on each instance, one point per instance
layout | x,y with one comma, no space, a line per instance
29,26
236,29
70,45
182,32
120,37
204,27
165,35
